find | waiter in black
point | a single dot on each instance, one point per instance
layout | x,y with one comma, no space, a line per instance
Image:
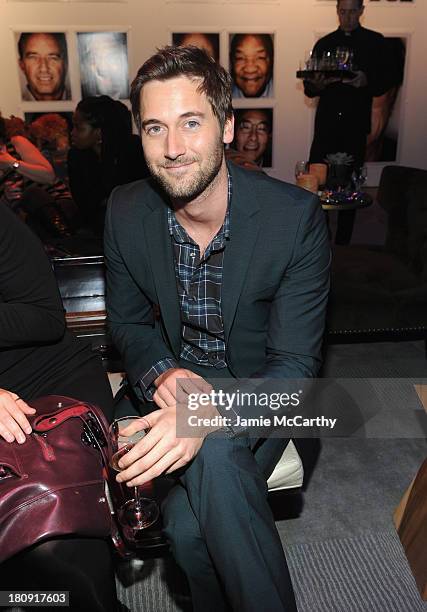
343,117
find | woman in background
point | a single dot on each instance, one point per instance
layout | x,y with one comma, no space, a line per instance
29,186
39,357
19,157
104,154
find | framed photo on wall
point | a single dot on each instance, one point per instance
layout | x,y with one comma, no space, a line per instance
104,66
204,40
42,63
253,135
251,64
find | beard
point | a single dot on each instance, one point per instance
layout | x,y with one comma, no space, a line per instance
194,183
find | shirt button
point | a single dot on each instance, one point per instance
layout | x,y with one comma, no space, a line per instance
192,254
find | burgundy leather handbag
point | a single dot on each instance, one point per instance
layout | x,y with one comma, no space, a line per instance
54,484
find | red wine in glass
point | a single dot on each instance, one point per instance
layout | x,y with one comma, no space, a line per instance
114,462
140,512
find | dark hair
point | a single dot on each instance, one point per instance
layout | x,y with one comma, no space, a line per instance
114,120
170,62
179,38
240,112
359,1
58,36
266,40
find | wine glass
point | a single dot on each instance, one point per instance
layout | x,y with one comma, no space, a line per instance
301,167
140,512
360,176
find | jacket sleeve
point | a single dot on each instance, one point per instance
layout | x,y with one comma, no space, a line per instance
298,311
130,315
31,309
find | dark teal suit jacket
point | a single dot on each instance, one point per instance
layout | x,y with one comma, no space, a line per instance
275,278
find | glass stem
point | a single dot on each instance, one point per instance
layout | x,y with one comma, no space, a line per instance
137,500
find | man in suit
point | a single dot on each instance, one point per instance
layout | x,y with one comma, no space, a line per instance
236,266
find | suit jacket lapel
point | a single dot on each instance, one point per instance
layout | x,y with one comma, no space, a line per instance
244,227
163,267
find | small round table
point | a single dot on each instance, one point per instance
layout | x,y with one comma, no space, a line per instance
342,200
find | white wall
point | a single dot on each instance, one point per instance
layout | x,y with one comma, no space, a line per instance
294,22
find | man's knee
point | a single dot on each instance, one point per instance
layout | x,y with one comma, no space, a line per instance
219,453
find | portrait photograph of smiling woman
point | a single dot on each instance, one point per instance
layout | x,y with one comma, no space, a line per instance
251,65
43,63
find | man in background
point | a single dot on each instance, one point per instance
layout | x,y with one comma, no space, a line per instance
43,60
343,117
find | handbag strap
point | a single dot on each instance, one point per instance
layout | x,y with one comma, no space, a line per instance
95,425
47,422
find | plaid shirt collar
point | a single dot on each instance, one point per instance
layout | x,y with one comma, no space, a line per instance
180,235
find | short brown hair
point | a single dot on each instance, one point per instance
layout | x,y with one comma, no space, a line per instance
170,62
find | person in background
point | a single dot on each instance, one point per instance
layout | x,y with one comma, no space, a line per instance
29,186
251,65
343,116
39,357
252,135
20,157
202,40
104,154
43,60
383,137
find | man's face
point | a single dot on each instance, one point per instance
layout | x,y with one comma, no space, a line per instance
349,14
44,67
182,140
253,133
251,66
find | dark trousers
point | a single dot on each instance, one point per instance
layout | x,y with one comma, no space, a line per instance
222,531
219,523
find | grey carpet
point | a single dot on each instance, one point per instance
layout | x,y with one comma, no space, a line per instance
365,574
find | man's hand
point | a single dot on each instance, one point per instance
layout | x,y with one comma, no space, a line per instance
161,451
13,422
166,392
360,80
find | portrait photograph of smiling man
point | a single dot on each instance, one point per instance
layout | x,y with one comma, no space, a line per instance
253,134
251,65
43,63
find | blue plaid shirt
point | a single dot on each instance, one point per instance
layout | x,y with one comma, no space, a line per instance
199,283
